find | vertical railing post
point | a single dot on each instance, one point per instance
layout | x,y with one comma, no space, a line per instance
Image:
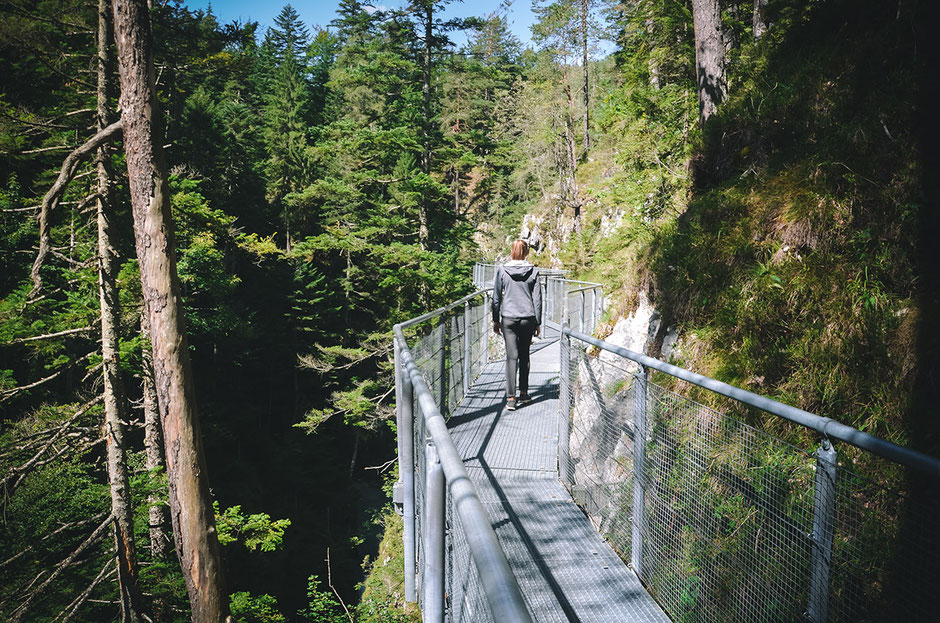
555,317
544,285
433,582
564,409
639,469
595,311
466,348
442,367
404,402
487,327
581,320
565,321
824,507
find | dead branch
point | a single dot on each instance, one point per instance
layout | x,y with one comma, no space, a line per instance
95,536
31,463
52,197
87,201
40,150
73,607
95,370
46,461
74,524
75,263
384,466
24,12
329,582
49,336
34,124
13,391
313,363
59,530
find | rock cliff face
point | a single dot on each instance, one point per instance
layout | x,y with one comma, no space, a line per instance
601,440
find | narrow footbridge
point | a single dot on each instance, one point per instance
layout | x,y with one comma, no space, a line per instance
611,498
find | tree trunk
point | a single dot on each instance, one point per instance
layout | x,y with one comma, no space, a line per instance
456,190
569,185
158,515
153,445
758,23
709,57
115,403
423,230
584,62
652,64
355,455
194,530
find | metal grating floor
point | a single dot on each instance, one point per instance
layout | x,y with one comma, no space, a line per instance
566,570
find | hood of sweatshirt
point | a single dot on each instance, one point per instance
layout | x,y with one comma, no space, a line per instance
518,270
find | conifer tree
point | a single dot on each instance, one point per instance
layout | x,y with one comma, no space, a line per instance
709,57
286,110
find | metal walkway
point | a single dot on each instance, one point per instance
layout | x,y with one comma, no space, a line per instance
566,571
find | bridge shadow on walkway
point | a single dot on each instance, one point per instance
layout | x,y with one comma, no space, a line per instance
567,572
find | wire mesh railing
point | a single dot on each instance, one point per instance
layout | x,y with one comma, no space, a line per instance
454,565
725,522
483,274
578,304
438,356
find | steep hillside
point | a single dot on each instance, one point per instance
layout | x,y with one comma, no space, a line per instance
786,242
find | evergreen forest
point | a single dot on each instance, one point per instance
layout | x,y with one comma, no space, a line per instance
760,171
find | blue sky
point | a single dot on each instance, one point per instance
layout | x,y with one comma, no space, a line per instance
320,12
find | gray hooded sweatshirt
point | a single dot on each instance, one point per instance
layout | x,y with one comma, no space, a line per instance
517,291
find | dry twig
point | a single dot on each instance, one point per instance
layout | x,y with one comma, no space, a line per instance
95,536
329,582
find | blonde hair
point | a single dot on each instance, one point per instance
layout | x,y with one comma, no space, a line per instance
520,249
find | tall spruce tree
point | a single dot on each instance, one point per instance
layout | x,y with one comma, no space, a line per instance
287,112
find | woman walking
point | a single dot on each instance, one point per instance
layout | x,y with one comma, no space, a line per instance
517,313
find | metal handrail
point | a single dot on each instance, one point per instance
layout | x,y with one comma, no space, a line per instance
588,284
499,584
583,288
828,428
441,310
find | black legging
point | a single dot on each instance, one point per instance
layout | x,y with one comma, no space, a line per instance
517,332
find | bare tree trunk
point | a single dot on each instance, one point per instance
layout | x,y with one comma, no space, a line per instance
569,185
115,402
709,57
457,191
758,23
287,242
652,64
423,229
355,455
194,530
158,513
584,62
159,519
